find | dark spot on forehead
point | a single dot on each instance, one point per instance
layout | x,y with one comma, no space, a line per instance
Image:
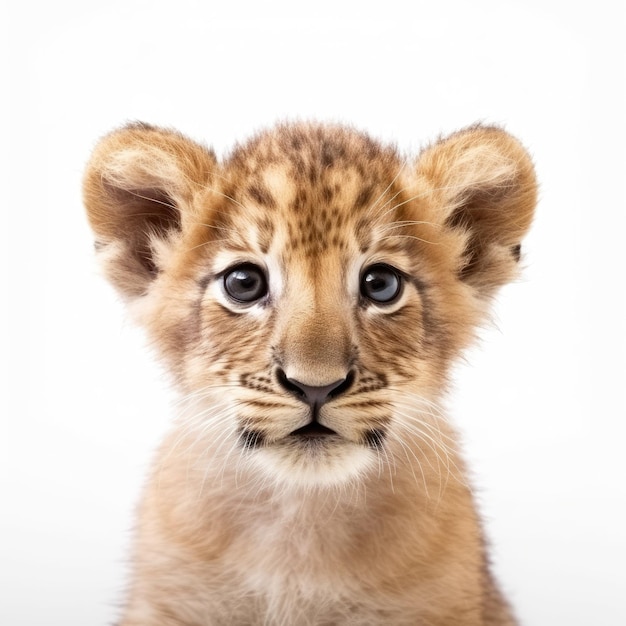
266,234
364,197
363,234
339,242
296,142
327,194
331,152
260,194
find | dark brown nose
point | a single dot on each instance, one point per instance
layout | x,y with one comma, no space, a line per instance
314,396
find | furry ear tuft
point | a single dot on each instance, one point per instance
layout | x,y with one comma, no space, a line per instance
139,188
483,186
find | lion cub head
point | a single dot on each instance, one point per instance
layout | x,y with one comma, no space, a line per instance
310,291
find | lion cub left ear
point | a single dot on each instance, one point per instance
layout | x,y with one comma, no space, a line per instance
482,187
139,189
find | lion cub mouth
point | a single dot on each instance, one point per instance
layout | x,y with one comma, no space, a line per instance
313,430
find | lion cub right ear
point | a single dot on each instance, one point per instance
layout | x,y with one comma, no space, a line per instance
139,189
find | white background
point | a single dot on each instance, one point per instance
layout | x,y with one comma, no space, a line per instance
540,403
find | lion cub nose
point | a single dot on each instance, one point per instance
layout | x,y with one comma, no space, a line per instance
314,396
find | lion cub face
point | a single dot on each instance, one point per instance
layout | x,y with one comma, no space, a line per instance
310,292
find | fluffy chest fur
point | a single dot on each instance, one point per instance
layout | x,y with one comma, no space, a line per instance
309,294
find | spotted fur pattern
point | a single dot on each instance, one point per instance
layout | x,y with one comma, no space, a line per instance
264,506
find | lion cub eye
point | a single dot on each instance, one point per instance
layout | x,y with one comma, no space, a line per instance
381,284
245,283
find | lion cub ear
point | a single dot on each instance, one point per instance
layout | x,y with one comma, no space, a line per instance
482,185
139,190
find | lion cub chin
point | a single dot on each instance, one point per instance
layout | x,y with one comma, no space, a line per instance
309,294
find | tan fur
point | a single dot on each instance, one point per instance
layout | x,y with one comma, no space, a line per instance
243,522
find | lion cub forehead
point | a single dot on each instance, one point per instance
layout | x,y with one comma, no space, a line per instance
312,186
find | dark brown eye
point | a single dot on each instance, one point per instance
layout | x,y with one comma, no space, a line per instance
245,283
381,284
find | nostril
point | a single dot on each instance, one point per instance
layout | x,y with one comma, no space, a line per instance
343,386
289,385
313,395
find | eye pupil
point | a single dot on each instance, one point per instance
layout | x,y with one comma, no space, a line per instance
245,283
381,284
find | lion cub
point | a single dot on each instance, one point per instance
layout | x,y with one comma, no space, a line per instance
309,294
